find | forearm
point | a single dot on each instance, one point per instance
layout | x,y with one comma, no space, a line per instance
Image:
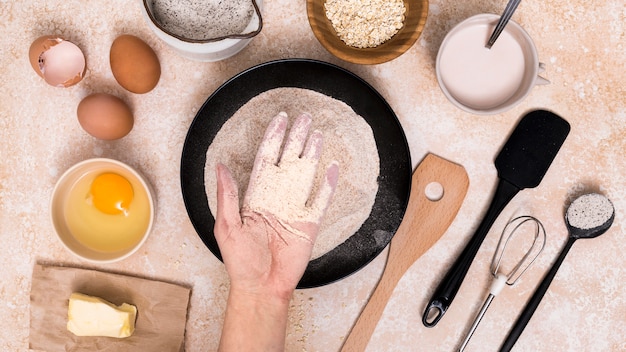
254,323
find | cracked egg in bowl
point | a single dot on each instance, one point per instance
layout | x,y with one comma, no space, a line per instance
102,210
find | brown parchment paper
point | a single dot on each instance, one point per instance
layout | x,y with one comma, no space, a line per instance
161,310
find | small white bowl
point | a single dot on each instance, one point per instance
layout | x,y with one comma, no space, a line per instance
487,81
60,196
208,50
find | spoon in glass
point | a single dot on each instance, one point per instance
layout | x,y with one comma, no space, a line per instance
504,19
588,216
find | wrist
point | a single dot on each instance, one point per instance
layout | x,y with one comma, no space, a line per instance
254,322
270,297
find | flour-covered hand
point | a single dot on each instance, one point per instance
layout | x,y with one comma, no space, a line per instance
281,183
266,245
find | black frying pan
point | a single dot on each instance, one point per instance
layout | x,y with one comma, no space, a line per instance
395,162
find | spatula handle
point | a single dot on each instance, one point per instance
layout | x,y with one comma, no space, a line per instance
366,323
449,286
424,222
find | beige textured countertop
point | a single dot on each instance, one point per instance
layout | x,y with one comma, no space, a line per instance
583,46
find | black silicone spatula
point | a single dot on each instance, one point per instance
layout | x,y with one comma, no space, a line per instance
522,163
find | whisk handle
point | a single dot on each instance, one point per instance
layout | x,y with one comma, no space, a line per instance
535,300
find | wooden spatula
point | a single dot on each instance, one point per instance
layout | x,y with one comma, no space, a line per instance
424,222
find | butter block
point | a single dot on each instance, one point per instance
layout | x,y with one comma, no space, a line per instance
93,316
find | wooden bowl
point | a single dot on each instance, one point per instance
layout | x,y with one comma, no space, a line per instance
415,19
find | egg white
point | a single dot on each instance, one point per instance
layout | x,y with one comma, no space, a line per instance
104,232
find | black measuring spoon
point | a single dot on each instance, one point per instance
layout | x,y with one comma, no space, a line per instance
522,162
588,216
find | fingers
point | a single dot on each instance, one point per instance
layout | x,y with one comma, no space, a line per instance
227,203
313,149
326,190
297,137
310,158
269,150
288,184
267,154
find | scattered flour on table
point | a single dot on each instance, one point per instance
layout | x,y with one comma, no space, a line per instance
348,139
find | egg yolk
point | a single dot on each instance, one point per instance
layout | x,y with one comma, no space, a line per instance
111,193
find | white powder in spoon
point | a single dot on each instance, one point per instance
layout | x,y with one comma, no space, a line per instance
203,19
589,211
348,139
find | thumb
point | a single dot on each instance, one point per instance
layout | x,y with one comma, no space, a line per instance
228,215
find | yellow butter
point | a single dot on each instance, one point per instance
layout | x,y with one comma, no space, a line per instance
93,316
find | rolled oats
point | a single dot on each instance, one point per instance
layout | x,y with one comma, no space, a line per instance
365,23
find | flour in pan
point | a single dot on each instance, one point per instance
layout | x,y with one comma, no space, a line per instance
347,138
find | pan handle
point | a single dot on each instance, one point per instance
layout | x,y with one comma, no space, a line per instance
449,286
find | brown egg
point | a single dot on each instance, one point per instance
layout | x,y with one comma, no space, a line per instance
59,62
134,64
105,116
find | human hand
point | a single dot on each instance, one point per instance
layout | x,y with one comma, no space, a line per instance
266,245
